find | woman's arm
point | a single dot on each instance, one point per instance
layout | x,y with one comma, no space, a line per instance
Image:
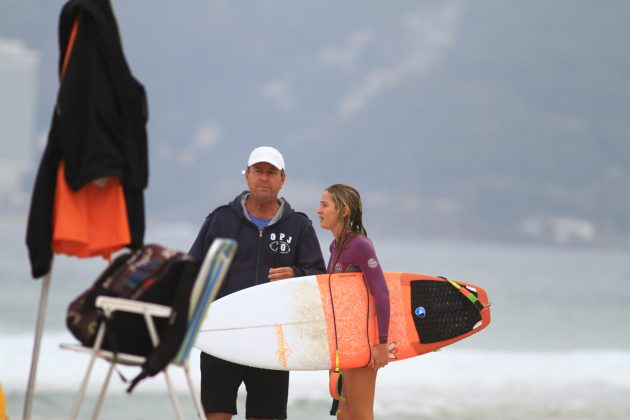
361,252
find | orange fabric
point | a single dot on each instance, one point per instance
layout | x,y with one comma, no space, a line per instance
89,222
73,35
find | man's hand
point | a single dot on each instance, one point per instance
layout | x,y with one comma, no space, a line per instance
281,273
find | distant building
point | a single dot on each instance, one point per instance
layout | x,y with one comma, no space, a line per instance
18,96
560,230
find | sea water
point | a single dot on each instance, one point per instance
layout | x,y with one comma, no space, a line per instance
558,346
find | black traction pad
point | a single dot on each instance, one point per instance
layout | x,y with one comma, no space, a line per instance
440,311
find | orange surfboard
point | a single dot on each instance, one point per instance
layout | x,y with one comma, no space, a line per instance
315,322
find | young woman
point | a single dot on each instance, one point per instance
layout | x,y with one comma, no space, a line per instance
340,211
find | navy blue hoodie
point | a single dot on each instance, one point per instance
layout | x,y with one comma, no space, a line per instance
288,241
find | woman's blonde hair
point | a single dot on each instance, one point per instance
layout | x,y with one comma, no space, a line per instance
346,197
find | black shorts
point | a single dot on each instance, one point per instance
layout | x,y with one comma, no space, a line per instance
267,390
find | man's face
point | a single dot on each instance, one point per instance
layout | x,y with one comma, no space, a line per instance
264,181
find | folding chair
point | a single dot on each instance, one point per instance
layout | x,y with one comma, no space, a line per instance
211,274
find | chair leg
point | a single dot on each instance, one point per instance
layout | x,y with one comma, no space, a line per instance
84,383
171,393
195,397
76,405
101,395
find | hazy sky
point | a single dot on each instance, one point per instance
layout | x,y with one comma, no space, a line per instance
454,118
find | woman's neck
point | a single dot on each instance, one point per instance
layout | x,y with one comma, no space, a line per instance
343,236
337,233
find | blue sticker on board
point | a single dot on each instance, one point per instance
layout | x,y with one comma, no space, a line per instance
420,312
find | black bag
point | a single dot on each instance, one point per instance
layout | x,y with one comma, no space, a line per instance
150,274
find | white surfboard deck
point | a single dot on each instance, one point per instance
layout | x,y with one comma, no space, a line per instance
255,325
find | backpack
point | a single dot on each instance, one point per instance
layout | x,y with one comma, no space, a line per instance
153,274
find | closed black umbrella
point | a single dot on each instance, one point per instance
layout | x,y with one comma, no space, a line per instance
88,197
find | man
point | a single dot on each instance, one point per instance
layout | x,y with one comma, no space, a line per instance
274,243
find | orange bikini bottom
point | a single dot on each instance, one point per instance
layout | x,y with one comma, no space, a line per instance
91,221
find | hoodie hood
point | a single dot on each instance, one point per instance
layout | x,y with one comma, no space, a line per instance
238,206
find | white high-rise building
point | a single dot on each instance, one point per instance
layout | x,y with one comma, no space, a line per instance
18,96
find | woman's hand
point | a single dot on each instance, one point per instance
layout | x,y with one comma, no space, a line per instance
380,356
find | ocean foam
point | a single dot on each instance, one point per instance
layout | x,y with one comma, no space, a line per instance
449,370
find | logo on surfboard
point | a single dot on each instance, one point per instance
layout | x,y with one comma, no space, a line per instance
282,351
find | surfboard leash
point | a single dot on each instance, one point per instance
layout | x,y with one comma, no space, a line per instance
337,370
335,381
367,321
336,376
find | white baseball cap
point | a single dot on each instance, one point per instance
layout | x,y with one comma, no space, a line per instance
266,154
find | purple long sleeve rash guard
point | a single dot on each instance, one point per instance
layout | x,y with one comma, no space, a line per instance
360,252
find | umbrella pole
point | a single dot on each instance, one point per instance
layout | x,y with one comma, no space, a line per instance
39,331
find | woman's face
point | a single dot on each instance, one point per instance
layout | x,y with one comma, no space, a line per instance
328,215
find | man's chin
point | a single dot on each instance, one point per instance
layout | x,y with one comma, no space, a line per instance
264,196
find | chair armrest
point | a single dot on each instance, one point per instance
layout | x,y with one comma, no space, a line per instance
111,304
